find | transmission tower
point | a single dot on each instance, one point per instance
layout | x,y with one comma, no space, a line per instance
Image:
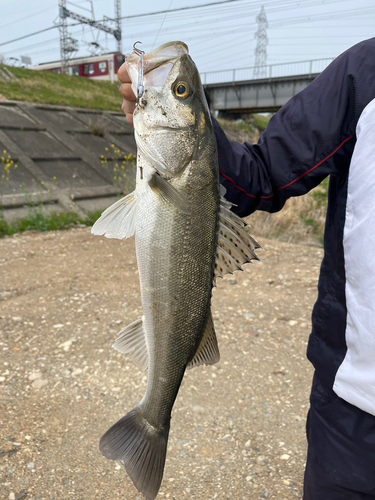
68,45
260,69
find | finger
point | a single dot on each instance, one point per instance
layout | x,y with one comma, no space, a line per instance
127,92
128,114
123,74
128,106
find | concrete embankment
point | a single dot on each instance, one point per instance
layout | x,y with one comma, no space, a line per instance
58,151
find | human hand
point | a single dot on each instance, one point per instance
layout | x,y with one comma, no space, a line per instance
128,104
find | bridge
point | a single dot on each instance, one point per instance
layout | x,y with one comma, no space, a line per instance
259,89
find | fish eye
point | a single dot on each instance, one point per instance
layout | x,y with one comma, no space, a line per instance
182,90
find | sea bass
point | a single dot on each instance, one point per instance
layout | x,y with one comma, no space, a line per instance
185,236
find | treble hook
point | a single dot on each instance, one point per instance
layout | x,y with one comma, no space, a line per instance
140,87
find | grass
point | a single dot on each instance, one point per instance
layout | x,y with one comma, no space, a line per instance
63,90
302,219
260,122
254,124
38,221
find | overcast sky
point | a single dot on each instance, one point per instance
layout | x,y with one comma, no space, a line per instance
219,37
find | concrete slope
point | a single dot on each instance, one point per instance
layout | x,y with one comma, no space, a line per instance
58,151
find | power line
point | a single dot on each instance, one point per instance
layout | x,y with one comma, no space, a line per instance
126,17
27,36
224,3
180,9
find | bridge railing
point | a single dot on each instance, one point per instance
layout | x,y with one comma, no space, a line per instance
310,67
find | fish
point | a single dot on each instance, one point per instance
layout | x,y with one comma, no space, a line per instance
186,236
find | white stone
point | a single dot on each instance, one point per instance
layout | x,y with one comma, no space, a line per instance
39,383
198,409
66,345
34,376
285,457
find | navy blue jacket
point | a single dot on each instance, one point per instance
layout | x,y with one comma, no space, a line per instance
311,137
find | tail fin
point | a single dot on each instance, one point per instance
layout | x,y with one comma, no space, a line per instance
140,448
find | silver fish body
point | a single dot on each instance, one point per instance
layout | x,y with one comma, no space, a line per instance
179,220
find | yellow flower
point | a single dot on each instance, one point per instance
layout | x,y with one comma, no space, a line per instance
112,145
4,152
42,183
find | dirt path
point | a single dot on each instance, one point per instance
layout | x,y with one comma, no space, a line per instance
238,427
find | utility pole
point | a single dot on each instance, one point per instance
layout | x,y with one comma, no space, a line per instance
260,69
118,24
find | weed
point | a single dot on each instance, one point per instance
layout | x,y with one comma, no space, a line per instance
121,169
96,129
7,165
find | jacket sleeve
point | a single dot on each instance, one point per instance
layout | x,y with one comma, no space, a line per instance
311,137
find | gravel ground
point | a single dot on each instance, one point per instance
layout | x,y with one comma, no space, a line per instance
237,428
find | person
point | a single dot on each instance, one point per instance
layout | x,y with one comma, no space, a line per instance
328,129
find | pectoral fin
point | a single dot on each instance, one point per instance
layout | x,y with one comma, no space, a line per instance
158,163
168,192
132,340
208,350
118,221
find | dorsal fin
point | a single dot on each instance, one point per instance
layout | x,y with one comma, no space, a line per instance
235,246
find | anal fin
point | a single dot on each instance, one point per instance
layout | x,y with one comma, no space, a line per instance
208,350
